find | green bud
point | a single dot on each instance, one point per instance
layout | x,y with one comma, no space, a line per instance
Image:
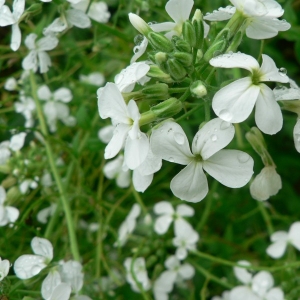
199,28
198,89
215,50
188,33
12,194
160,42
236,41
8,182
167,108
186,59
157,91
175,69
292,105
183,46
5,169
139,24
161,60
156,72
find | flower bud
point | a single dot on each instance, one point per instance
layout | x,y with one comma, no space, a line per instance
12,194
215,50
139,24
188,33
198,89
156,72
9,182
160,59
167,108
186,59
160,42
157,91
199,28
175,69
183,46
236,41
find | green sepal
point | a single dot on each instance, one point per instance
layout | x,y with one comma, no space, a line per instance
159,42
188,33
176,69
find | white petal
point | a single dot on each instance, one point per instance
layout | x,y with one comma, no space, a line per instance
296,135
113,167
243,292
277,249
275,294
235,60
162,224
30,62
242,274
294,235
47,43
170,143
163,207
271,72
12,214
186,271
4,268
17,141
164,284
172,263
123,179
61,292
221,14
268,116
106,133
165,26
136,150
15,37
139,50
212,137
284,93
6,17
78,18
274,9
141,182
42,247
44,93
50,283
234,102
30,41
185,210
99,12
151,164
262,282
27,266
117,141
57,26
111,103
232,168
63,94
279,236
179,10
44,61
190,184
18,8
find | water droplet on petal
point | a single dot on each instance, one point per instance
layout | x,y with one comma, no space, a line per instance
136,49
171,159
179,138
225,115
213,137
224,125
282,71
243,157
138,39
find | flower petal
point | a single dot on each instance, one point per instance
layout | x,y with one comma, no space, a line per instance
15,37
27,266
170,143
6,17
30,62
268,116
294,235
47,43
275,294
162,224
42,247
190,184
50,283
165,26
296,134
179,10
234,102
242,274
44,93
61,292
212,137
185,210
221,14
141,182
12,214
44,61
163,207
63,94
243,292
18,8
186,271
262,282
277,249
78,18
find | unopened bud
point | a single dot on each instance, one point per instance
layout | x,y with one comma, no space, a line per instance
156,72
157,91
9,182
186,59
167,108
188,33
215,50
160,42
183,46
199,28
139,24
12,194
5,169
175,69
198,89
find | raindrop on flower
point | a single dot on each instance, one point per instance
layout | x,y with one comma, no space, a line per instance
152,23
213,137
282,71
225,115
171,159
136,49
243,157
138,39
224,125
179,138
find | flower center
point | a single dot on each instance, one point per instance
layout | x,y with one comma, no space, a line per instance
256,75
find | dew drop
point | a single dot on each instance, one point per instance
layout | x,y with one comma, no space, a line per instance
179,138
224,125
171,159
225,115
170,130
243,157
138,39
282,71
213,137
136,49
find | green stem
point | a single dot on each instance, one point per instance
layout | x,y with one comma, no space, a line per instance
190,112
239,136
207,109
57,178
139,200
176,90
186,94
7,109
266,217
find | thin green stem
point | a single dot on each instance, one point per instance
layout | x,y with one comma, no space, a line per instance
56,175
139,200
239,136
177,90
190,112
186,94
266,217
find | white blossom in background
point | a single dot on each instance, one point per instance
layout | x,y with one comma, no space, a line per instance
43,215
127,132
167,215
38,57
225,296
164,284
61,292
137,268
55,107
128,225
128,77
26,107
12,18
261,17
257,287
17,141
28,265
235,102
27,184
98,11
280,240
266,184
8,214
11,84
94,78
4,268
232,168
51,281
4,152
106,133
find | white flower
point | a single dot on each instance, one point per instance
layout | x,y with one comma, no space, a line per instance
234,102
17,141
71,273
128,77
26,107
4,152
233,168
50,283
12,18
43,215
55,107
27,266
168,214
266,184
95,78
4,268
280,240
112,105
128,225
185,239
261,17
11,84
37,57
61,292
136,271
175,271
225,296
8,214
28,183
